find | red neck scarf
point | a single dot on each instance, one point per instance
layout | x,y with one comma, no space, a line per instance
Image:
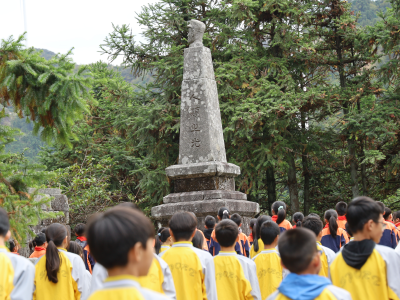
274,218
327,225
40,249
81,238
294,226
397,224
342,218
15,252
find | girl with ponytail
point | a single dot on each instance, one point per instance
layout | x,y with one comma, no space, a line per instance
258,244
59,272
278,211
333,237
297,219
163,241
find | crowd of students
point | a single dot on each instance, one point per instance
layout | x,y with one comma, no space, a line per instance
351,254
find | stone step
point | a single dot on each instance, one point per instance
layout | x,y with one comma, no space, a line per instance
204,195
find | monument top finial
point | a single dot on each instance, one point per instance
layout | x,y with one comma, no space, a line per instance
196,32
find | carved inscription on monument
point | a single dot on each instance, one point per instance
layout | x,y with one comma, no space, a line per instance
193,127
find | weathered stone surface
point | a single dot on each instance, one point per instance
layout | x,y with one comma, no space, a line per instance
60,202
204,183
49,191
203,169
63,219
204,195
45,207
197,63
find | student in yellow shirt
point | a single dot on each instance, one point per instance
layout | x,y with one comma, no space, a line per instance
235,275
163,241
16,272
299,254
258,244
327,255
269,268
192,269
365,269
121,240
59,272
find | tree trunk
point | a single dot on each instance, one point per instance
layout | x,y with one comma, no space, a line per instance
271,184
292,184
306,172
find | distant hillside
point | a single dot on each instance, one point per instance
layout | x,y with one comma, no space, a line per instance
369,10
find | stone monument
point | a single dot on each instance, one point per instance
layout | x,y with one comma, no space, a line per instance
203,180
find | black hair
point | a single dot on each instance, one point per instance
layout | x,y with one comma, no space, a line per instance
388,212
252,226
55,235
298,218
281,213
80,229
197,240
226,233
396,215
39,240
297,248
360,211
341,208
314,215
269,231
12,246
43,230
260,220
182,225
314,224
237,219
74,247
209,221
382,207
331,216
117,226
4,223
348,229
161,237
224,213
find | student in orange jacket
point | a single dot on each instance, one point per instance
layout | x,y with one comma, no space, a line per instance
209,224
278,211
243,240
333,237
341,208
297,219
40,244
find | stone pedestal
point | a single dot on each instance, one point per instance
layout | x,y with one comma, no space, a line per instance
203,181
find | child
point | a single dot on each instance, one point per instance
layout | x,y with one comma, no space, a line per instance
269,268
389,231
163,241
366,270
75,248
258,244
40,246
297,219
198,240
205,246
81,240
209,224
59,272
388,215
333,237
396,219
278,210
14,247
17,273
252,227
243,240
341,208
236,275
349,233
192,269
133,233
299,254
327,255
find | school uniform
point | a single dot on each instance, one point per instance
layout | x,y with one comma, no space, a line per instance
244,244
334,243
308,287
163,248
71,276
192,270
269,271
207,235
87,258
99,275
250,239
125,287
260,248
16,276
284,225
367,271
389,235
236,277
327,257
215,247
341,221
205,245
39,251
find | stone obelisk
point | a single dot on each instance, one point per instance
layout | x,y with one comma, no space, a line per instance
203,180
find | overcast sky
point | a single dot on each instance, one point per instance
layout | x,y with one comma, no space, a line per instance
59,25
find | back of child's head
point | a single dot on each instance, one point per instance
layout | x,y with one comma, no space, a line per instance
12,246
314,224
55,236
382,207
4,223
161,237
387,214
341,208
111,235
197,240
360,211
252,226
182,225
298,218
269,231
314,215
223,213
260,221
297,248
331,216
209,221
80,229
39,240
237,219
396,215
74,247
226,233
279,208
346,226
